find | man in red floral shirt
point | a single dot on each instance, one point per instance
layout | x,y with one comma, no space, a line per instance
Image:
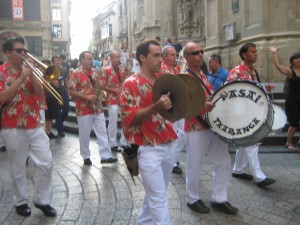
248,155
202,142
114,77
143,126
22,130
168,66
85,86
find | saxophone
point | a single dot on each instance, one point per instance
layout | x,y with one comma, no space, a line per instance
100,94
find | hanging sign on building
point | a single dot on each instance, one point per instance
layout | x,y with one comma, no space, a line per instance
17,10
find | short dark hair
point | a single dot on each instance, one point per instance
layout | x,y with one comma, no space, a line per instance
54,57
293,57
217,58
82,55
143,48
244,48
9,44
157,38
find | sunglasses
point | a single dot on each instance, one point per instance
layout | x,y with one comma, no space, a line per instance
196,52
20,50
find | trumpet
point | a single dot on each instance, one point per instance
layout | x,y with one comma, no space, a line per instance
51,73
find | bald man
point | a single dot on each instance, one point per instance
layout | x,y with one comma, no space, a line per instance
114,77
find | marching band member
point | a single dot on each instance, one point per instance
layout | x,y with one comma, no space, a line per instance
85,86
202,142
168,66
248,155
114,77
143,126
22,131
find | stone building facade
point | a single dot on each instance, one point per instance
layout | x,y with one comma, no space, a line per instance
221,26
44,24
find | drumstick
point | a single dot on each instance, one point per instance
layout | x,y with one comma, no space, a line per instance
223,95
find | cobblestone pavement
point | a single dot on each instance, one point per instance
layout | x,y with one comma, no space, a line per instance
105,194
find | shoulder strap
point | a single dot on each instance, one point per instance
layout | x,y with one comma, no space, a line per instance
199,79
256,73
91,80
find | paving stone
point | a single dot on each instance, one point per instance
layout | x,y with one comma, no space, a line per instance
105,193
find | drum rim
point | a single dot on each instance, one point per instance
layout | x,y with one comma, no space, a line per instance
238,141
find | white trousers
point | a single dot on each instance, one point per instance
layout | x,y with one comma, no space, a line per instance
32,143
201,144
112,128
85,125
179,143
155,167
248,155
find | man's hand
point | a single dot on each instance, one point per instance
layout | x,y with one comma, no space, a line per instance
270,87
208,107
164,102
91,98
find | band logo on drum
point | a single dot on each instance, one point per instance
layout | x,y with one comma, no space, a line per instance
236,131
243,93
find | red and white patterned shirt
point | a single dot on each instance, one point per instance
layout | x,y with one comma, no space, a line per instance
22,110
166,69
136,93
193,123
242,72
80,82
113,81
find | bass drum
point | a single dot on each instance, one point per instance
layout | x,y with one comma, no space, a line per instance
245,116
280,118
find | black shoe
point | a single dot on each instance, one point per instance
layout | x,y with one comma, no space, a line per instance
199,207
116,149
177,170
61,134
47,210
3,149
23,210
51,135
109,160
243,176
87,162
224,207
266,182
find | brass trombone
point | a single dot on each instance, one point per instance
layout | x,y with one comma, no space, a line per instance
51,73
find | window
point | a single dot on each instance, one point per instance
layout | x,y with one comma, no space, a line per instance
56,1
57,31
5,9
32,10
56,14
34,45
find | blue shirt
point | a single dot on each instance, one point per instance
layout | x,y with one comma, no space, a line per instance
218,80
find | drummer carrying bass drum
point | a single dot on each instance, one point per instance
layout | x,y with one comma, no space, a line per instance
202,142
248,155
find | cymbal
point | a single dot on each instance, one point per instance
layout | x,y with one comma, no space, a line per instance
179,96
196,95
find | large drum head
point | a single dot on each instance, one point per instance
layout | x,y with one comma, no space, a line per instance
178,94
244,116
279,118
196,95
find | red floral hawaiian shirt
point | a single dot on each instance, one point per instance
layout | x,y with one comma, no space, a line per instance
81,83
113,81
193,124
166,69
242,72
136,93
22,110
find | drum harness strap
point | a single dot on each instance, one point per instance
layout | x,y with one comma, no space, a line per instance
198,117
